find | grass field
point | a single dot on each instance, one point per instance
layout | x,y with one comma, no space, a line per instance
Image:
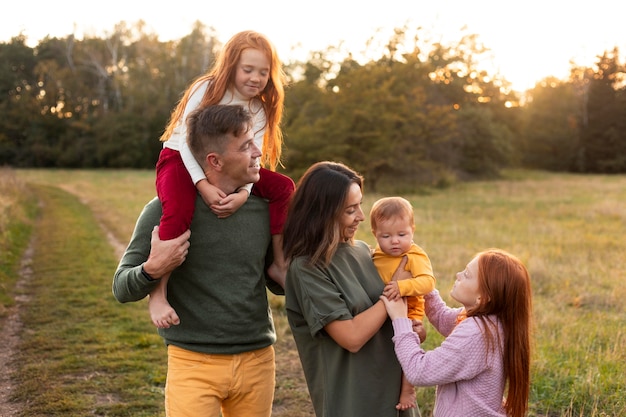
83,354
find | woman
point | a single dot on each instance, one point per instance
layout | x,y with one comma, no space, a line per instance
332,299
487,345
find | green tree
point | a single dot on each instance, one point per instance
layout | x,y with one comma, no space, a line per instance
603,136
551,129
18,98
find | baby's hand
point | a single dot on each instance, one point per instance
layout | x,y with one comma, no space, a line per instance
392,291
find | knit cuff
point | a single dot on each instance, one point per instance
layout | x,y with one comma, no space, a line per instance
402,325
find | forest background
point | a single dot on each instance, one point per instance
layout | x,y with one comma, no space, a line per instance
421,113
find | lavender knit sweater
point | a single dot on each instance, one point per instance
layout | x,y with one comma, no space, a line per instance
470,380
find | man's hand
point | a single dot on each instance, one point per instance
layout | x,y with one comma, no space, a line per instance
166,255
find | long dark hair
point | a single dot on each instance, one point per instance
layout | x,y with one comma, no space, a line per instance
312,226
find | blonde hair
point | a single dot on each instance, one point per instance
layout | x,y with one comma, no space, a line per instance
222,75
390,207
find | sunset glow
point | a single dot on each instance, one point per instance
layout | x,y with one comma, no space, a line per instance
528,41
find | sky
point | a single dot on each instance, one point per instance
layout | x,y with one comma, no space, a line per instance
529,40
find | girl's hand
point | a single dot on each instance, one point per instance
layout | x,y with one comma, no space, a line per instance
395,309
418,327
209,193
230,204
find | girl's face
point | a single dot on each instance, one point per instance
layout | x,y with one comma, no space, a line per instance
352,214
394,235
252,74
465,289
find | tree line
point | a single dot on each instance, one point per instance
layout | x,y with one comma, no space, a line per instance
421,112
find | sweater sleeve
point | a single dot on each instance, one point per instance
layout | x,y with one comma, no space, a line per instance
421,269
461,356
129,284
442,317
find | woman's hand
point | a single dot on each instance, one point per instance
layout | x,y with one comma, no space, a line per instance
395,309
401,272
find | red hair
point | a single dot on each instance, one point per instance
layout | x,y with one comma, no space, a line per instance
504,284
222,75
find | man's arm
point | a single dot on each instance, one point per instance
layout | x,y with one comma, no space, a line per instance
147,258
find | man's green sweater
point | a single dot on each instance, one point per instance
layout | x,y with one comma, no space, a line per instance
219,292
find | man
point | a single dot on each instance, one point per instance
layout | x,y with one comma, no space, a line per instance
220,356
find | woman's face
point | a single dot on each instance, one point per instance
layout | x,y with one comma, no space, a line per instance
352,214
465,289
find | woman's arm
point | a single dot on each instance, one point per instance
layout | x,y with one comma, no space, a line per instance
353,334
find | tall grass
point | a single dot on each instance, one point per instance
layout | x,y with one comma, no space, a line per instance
568,229
17,210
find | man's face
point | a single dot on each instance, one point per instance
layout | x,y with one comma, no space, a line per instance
240,160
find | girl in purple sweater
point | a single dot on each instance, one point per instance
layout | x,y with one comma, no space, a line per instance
487,345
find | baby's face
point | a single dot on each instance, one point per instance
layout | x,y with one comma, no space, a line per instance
394,235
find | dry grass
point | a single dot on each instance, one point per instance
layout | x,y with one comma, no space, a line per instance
568,229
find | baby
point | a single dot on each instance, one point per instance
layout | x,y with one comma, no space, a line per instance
392,223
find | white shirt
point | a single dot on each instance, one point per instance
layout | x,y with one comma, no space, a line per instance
178,140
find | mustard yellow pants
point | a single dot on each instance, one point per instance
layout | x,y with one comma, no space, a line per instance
200,384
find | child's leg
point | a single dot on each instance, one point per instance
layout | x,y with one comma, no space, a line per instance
177,193
277,189
278,269
161,312
407,395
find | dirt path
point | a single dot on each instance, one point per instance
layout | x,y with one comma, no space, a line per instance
12,325
11,330
292,389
